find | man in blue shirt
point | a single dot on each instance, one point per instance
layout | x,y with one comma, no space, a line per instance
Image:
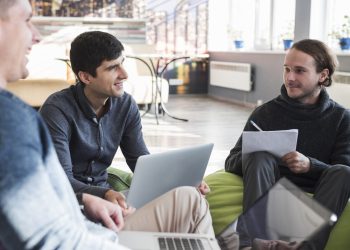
90,120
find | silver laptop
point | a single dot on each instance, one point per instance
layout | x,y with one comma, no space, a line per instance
162,241
156,174
285,213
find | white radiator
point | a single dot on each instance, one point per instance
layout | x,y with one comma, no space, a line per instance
231,75
340,88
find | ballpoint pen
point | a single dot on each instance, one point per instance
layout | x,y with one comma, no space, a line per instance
256,126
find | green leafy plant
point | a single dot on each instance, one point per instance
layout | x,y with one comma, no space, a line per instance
288,33
235,34
342,31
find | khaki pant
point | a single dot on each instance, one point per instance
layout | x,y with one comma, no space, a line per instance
181,210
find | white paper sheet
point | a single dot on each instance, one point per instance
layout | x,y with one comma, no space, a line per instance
278,143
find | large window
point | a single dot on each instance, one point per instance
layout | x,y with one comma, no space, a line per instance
241,21
263,21
282,22
338,21
262,24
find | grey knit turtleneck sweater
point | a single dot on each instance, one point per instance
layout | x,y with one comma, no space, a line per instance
324,133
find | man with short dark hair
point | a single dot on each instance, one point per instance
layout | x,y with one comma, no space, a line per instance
90,120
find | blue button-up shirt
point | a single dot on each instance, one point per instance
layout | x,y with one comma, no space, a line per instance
87,145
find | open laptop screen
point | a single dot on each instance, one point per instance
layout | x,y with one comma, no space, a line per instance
285,213
156,174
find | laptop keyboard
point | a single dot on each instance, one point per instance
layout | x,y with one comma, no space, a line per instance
171,243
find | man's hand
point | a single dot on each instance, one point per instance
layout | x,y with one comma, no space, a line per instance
100,210
118,198
296,162
204,188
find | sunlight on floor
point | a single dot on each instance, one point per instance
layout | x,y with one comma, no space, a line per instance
218,122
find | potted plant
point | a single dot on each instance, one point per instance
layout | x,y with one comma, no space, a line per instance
237,37
342,33
288,36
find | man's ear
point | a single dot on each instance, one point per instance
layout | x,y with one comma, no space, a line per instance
324,75
84,77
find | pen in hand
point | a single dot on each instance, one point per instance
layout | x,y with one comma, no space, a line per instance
256,126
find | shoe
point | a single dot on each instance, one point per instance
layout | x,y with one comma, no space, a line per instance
228,240
259,244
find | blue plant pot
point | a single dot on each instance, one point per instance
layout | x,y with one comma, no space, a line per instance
287,43
239,44
344,43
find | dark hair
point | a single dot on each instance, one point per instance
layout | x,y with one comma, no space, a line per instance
90,49
4,6
321,53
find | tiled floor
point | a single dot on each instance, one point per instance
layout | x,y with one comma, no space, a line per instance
209,121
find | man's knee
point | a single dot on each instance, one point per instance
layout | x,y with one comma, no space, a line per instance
338,174
186,193
188,199
258,161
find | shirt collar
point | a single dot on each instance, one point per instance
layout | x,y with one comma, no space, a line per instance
85,105
304,111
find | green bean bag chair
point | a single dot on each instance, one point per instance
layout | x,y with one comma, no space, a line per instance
225,200
118,179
